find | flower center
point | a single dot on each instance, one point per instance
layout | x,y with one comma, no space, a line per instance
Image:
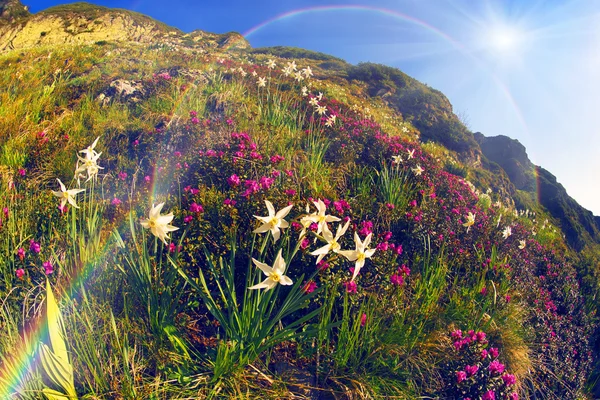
152,223
335,246
275,277
361,256
274,222
66,195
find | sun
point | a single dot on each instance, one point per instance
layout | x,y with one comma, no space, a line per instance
504,39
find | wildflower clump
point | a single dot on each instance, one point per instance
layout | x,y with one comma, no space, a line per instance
476,371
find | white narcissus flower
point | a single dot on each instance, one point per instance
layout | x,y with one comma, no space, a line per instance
470,221
360,254
159,224
411,153
330,121
321,110
89,151
274,274
262,82
298,76
271,64
397,159
320,218
332,242
89,164
292,65
67,195
417,170
307,72
313,102
522,244
507,232
274,221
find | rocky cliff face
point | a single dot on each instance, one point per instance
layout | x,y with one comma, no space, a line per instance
12,11
512,157
82,23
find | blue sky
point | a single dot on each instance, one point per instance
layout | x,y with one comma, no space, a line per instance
528,69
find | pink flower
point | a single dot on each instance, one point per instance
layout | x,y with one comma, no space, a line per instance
48,268
290,192
115,202
513,396
322,266
351,287
5,211
390,206
196,208
19,273
229,202
494,352
122,175
397,280
304,244
22,172
366,228
489,395
187,219
310,287
363,319
509,379
496,367
172,247
21,253
480,337
457,334
471,369
266,183
147,178
34,246
460,376
483,291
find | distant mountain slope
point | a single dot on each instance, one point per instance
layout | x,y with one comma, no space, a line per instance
579,225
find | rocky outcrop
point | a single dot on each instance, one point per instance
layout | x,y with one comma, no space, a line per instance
64,27
12,11
511,156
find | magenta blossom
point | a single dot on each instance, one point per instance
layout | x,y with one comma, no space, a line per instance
496,367
471,369
460,376
351,287
34,246
48,267
21,253
489,395
233,180
363,320
509,379
310,287
19,273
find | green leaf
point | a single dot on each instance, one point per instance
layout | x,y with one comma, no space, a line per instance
55,360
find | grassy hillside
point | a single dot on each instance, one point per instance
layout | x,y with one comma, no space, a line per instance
239,225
